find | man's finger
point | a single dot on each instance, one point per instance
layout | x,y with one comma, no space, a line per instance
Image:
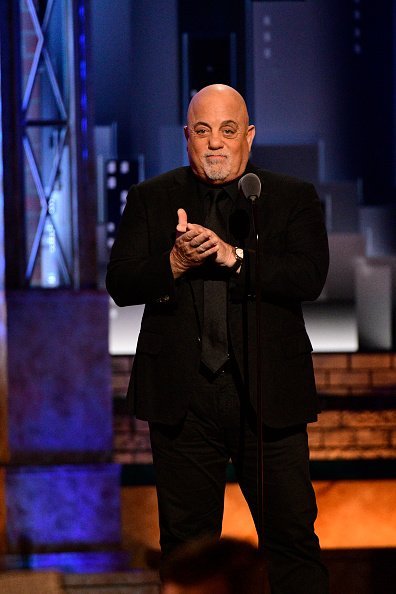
197,235
182,222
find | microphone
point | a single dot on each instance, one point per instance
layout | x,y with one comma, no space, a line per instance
250,186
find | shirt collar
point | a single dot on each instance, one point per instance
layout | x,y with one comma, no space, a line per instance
231,188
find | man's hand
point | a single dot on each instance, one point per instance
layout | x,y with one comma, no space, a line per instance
194,244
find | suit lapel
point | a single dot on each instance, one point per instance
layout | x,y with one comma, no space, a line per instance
247,237
184,194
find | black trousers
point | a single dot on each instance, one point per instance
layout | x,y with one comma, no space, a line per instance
190,461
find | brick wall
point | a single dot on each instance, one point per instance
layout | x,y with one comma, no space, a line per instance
358,420
355,373
131,437
359,406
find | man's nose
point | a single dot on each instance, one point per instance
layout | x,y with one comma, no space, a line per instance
215,140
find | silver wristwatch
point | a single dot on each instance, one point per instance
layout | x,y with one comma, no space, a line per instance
238,253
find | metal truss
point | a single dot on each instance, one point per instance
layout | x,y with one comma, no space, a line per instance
42,62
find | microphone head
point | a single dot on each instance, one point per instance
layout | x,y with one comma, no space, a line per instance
250,186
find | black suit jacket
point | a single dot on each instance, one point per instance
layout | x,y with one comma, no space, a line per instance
294,256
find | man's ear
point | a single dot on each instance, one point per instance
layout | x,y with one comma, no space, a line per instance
186,133
251,132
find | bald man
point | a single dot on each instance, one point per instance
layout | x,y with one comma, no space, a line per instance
186,248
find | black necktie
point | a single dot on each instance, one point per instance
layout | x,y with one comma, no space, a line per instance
214,336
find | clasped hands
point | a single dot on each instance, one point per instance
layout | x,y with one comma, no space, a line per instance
195,244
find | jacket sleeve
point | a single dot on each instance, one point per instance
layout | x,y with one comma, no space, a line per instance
294,253
139,269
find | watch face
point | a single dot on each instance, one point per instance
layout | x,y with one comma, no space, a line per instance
239,253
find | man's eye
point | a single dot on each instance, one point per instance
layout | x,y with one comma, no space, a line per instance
201,131
229,132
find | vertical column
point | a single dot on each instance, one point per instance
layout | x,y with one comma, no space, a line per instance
62,489
3,320
59,490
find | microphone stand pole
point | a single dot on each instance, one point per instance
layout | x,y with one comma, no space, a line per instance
260,469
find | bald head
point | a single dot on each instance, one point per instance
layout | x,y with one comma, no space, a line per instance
218,134
223,94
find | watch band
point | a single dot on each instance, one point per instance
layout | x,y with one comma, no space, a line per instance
238,253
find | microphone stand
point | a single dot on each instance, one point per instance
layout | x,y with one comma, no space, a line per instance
260,461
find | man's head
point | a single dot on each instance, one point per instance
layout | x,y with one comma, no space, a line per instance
207,566
218,134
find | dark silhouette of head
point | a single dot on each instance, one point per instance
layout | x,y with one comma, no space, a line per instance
208,566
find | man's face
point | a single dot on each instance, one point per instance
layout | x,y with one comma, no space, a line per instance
218,136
